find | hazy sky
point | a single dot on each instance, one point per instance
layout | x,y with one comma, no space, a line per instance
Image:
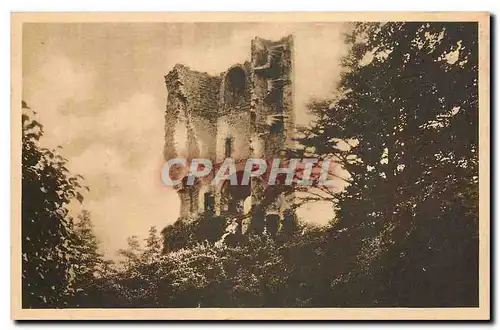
100,94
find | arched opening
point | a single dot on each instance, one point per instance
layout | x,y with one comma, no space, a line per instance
235,86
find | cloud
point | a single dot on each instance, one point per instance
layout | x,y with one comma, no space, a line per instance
121,215
123,170
55,83
117,149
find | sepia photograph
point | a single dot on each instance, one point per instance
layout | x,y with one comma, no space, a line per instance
250,166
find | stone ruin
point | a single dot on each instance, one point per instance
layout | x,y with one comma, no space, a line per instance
246,111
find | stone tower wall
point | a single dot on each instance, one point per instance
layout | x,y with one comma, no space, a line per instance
246,111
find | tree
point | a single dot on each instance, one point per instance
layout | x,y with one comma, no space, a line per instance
137,279
178,235
150,268
405,128
47,189
153,246
90,282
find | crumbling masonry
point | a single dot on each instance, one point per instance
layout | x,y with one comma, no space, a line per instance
246,111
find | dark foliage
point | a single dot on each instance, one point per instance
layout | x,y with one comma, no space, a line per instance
405,128
47,188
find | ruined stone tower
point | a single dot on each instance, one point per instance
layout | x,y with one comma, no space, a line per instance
246,111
